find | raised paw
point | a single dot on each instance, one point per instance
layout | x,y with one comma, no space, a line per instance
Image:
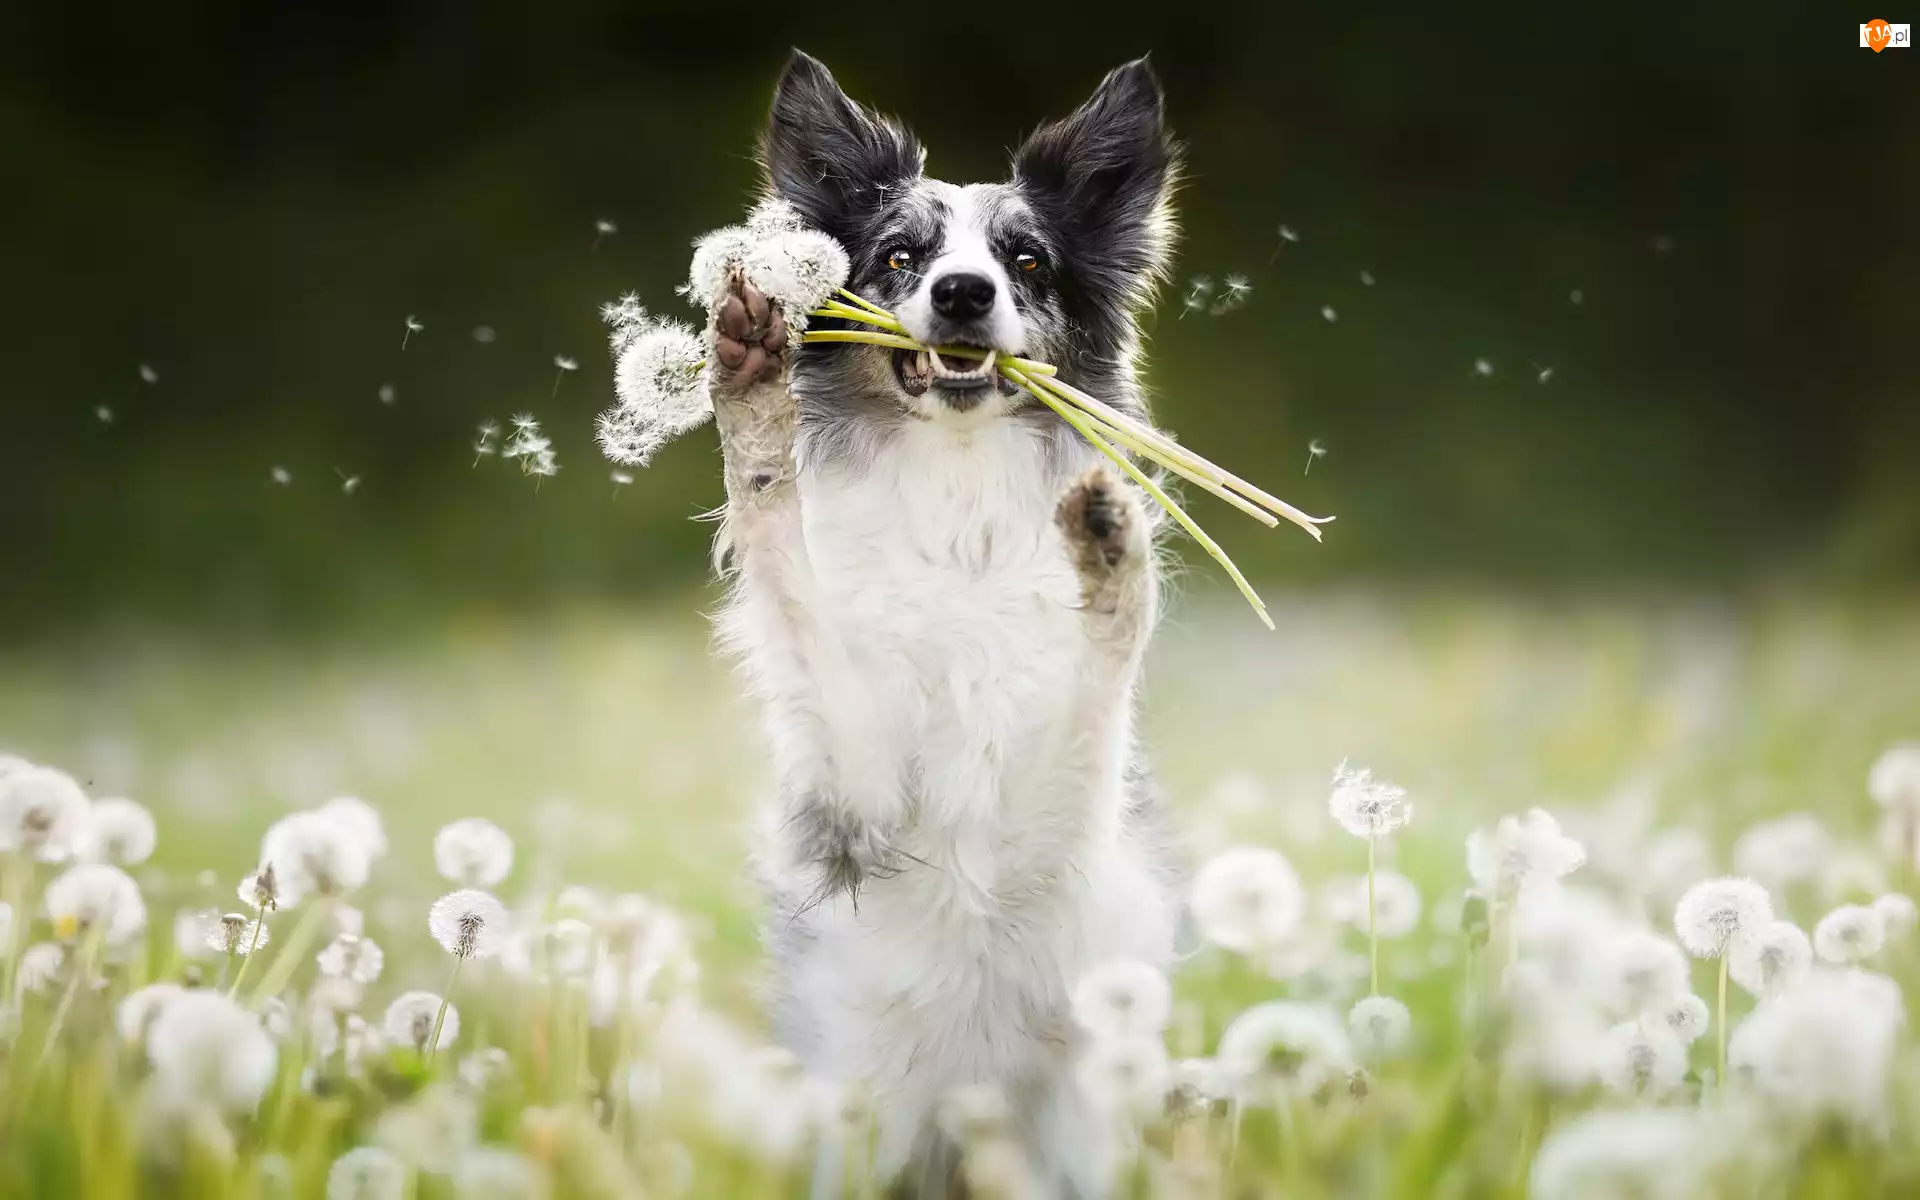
750,338
1102,522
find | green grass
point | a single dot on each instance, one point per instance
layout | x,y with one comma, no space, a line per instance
618,755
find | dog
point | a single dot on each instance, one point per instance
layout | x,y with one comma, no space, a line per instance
940,596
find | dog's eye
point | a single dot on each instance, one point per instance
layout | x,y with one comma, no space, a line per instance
1026,261
900,259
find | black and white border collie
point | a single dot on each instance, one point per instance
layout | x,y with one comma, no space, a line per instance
941,597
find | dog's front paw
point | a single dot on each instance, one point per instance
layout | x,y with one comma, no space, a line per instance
749,339
1103,524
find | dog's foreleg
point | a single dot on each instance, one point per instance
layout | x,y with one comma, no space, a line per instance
1109,540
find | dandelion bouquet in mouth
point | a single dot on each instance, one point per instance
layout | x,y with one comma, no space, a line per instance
661,376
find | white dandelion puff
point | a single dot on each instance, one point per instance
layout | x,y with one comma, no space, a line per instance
1649,1153
355,959
490,1173
1898,912
1715,915
261,890
468,923
39,964
473,853
205,1045
799,269
660,385
122,832
136,1011
1849,934
317,852
360,819
716,256
1783,851
1122,1000
774,215
1521,853
1640,1059
410,1021
1686,1016
1775,958
1125,1077
367,1173
1637,971
96,899
43,812
1367,807
1380,1027
190,930
1893,782
1824,1048
1247,899
236,934
1284,1044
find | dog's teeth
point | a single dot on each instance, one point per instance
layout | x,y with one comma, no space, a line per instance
920,363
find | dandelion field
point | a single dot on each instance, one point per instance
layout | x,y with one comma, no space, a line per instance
603,1039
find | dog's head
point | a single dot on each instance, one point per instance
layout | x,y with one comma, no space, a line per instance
1053,264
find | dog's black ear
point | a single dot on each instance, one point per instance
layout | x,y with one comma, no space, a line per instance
827,156
1106,175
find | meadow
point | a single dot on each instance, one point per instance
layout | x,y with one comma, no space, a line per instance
604,1038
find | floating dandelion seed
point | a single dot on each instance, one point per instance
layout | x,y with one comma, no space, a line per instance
485,442
1576,297
388,394
603,228
1285,234
1233,294
103,414
1327,314
483,334
280,476
1366,278
562,364
316,852
1199,292
1482,367
1315,449
533,449
413,326
620,479
1541,374
349,484
148,375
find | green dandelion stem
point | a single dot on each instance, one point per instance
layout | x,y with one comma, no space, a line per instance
292,954
1138,447
1085,430
1720,1019
258,924
1373,931
446,998
83,970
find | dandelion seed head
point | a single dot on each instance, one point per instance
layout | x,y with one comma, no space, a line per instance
1824,1048
136,1011
774,215
317,852
1776,957
361,819
356,959
473,853
1521,853
1685,1016
661,389
236,933
799,269
468,923
490,1173
1894,780
206,1045
1898,913
1123,1000
1127,1077
94,897
1247,899
1783,851
1637,970
1642,1060
43,812
191,927
122,832
367,1173
409,1021
715,257
1714,916
39,964
1649,1153
1849,934
1367,807
1380,1027
1286,1044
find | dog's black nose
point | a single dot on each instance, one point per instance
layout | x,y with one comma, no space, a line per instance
962,296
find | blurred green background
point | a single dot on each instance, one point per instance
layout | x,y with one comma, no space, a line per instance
252,200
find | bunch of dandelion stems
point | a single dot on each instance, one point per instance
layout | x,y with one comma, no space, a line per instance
1107,429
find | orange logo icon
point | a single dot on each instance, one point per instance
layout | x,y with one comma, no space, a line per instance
1878,34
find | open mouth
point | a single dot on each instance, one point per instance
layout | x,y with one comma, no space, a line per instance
964,380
